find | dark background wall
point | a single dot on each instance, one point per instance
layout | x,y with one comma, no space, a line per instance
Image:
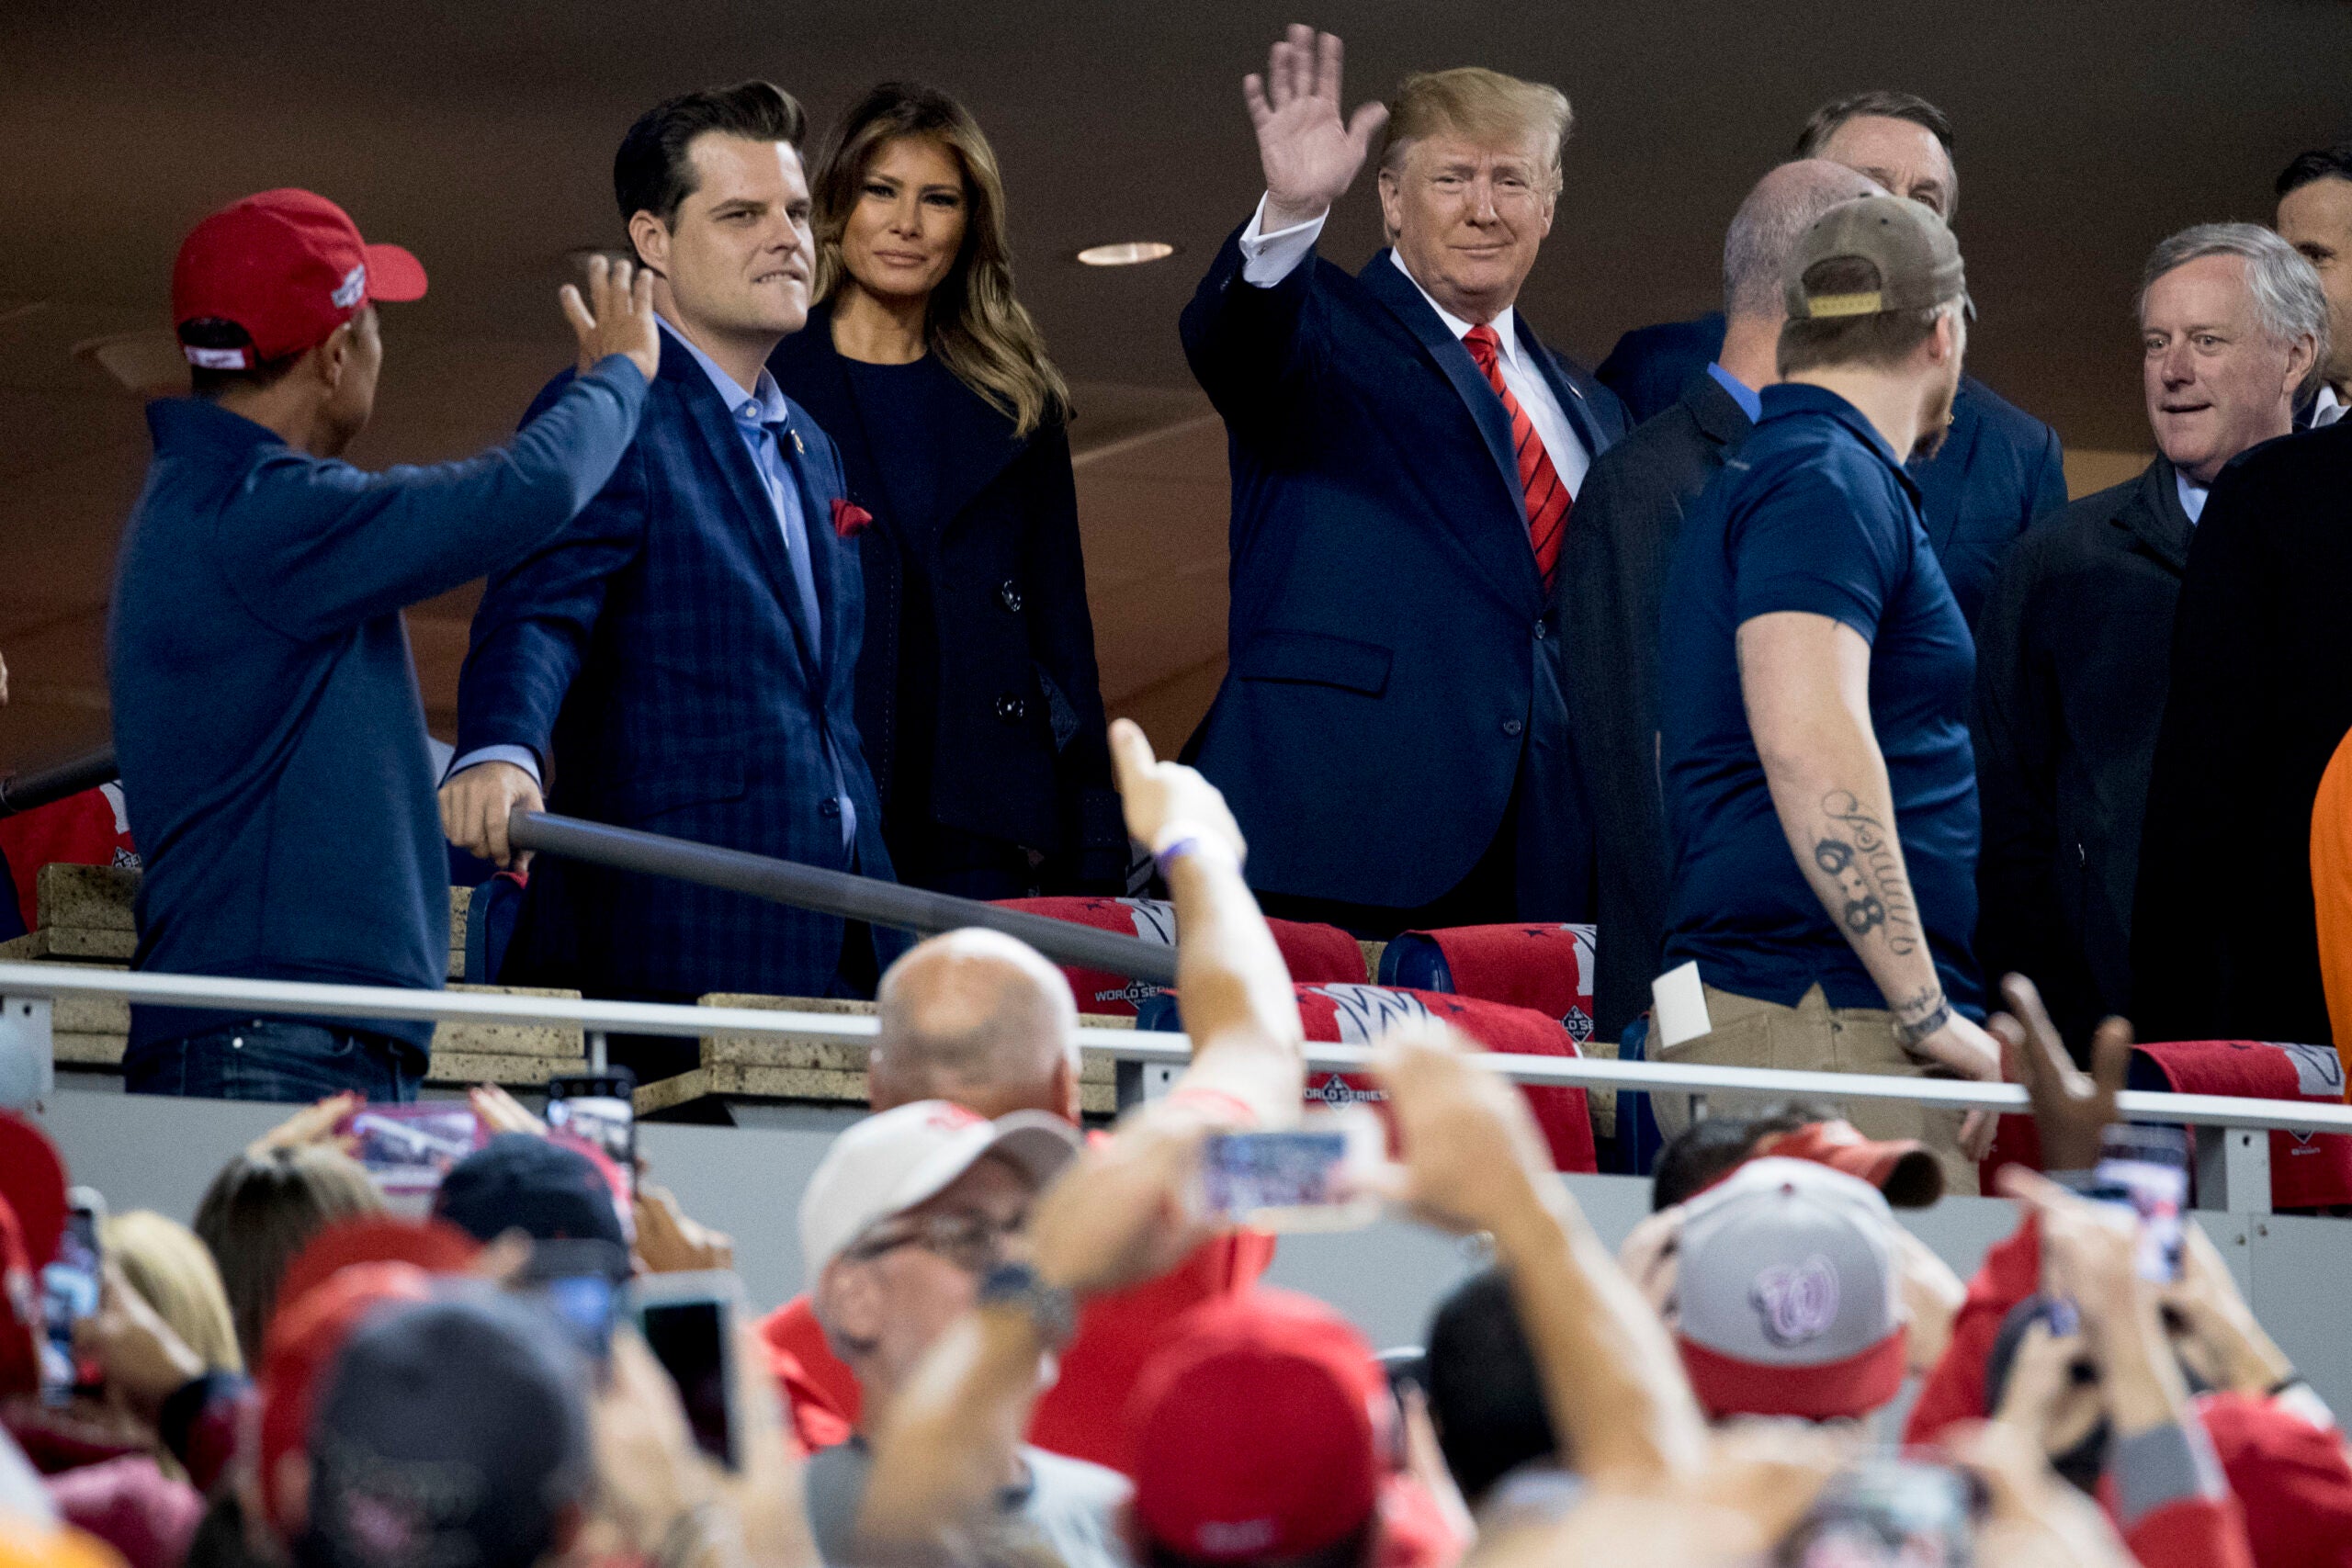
481,136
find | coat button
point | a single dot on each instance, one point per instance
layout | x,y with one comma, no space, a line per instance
1012,709
1541,631
830,807
1008,593
1513,725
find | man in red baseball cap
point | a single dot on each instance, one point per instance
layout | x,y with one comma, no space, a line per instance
266,708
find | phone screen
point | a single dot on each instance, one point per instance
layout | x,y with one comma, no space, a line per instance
2145,1169
69,1294
602,1108
1310,1179
689,1338
1885,1513
579,1283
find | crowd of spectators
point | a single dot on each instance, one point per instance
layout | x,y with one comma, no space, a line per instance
310,1380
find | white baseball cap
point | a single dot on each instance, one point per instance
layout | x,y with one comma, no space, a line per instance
1790,1294
895,1159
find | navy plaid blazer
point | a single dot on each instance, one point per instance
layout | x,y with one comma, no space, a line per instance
654,655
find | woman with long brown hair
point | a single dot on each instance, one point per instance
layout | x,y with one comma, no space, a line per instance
977,700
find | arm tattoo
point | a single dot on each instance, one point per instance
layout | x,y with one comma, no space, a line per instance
1863,861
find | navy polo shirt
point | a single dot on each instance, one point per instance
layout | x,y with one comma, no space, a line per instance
1814,514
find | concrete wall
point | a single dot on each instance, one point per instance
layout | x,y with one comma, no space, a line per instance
747,1180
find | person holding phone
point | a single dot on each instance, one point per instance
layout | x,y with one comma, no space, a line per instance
977,693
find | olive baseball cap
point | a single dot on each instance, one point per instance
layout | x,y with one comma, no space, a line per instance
1913,254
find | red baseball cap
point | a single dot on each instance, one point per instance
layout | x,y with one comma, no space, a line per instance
433,1246
1903,1170
1256,1432
2289,1476
288,267
32,1183
304,1340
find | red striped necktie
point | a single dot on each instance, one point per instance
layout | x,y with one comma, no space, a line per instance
1548,499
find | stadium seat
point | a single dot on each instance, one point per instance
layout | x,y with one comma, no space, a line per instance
490,925
1312,951
1357,1015
2308,1170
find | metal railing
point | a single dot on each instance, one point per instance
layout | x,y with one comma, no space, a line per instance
2234,1171
23,792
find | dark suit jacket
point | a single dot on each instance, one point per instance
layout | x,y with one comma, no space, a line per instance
1020,739
1999,469
2071,664
2223,944
1388,669
1612,569
655,657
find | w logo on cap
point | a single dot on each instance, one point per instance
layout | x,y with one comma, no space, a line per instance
1796,1302
355,284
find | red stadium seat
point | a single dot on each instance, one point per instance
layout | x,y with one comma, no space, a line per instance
88,829
1311,952
2308,1170
1529,965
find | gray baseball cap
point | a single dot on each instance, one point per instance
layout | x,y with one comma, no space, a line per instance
1790,1294
1913,254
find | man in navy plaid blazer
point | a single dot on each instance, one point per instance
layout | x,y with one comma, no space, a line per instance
682,658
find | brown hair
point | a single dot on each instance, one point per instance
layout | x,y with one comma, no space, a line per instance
262,1209
654,172
1486,105
172,1271
1882,103
976,326
1881,341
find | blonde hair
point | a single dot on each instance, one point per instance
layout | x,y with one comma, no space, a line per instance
1485,105
978,328
175,1274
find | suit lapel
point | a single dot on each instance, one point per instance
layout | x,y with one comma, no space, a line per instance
1564,391
716,423
1387,283
1944,478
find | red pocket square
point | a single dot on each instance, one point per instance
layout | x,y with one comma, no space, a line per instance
850,520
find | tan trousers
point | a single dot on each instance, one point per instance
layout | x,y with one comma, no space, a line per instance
1814,1037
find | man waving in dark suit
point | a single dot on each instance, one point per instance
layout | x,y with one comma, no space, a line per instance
1406,456
682,658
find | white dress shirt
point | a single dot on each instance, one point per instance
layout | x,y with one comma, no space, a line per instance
1267,259
2192,496
2327,408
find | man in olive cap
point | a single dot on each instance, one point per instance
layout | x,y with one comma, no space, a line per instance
1813,681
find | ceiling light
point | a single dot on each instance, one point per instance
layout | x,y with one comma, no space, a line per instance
1127,252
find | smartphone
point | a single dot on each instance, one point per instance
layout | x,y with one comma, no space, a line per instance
2145,1169
409,1148
1892,1512
1316,1177
70,1287
688,1322
578,1282
600,1108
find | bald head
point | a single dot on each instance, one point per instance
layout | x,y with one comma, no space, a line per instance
978,1018
1765,230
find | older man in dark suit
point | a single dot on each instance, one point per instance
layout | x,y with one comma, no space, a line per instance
683,657
1615,564
1406,456
2073,650
1999,468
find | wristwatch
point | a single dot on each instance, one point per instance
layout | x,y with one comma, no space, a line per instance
1015,1285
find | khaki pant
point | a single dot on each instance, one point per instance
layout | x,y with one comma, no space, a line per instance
1814,1037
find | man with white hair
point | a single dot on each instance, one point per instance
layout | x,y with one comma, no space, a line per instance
2073,651
2261,695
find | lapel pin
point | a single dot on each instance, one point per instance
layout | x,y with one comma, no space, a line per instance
798,444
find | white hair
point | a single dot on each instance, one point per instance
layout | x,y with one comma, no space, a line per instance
2288,297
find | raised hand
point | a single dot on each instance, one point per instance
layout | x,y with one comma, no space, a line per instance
616,317
1309,156
1157,796
2069,1109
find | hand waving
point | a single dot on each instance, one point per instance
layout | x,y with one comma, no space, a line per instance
616,317
1309,156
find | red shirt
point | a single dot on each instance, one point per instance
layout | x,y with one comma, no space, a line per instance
1083,1413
